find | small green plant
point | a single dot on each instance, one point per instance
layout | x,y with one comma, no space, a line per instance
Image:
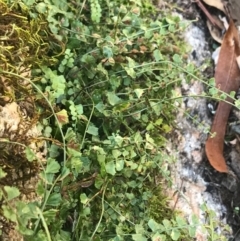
105,110
166,223
96,11
215,229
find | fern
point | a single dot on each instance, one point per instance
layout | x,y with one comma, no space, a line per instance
96,11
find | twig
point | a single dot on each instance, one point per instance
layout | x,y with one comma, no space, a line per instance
101,216
209,16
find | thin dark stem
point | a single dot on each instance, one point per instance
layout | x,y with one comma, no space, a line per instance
209,16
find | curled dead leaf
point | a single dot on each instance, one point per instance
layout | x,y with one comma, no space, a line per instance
227,78
215,3
215,32
62,117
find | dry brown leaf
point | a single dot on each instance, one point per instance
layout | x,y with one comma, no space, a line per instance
215,3
227,78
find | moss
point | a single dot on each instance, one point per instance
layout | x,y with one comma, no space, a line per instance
25,44
25,41
159,210
158,206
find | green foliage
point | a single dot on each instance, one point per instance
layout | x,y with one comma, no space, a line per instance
96,11
107,107
173,229
213,225
167,224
